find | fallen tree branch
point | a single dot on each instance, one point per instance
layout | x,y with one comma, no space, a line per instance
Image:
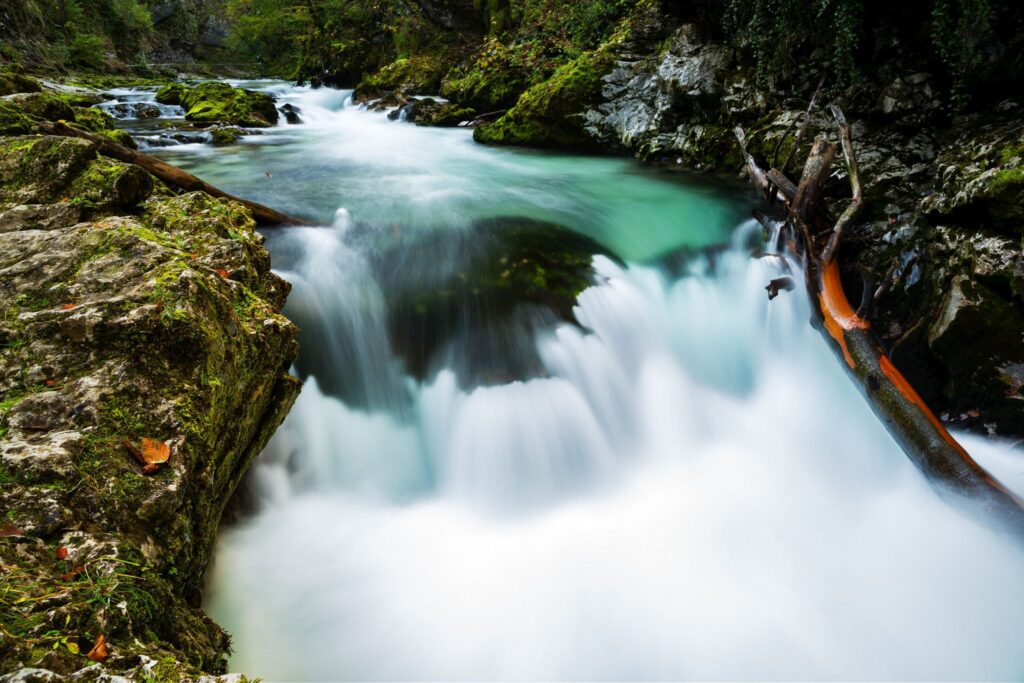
908,419
172,175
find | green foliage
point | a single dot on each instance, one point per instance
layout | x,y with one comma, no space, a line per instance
87,50
960,30
779,32
589,23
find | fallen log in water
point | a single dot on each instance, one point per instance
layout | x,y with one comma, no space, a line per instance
172,175
914,426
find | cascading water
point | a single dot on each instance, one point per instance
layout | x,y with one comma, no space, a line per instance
687,488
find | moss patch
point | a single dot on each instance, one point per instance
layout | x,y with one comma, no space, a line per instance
549,114
216,102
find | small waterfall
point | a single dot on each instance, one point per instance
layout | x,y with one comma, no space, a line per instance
694,491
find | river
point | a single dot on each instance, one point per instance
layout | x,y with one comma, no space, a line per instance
685,485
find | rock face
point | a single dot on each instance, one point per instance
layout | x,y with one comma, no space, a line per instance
135,326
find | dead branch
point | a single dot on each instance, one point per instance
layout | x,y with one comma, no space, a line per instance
855,185
803,128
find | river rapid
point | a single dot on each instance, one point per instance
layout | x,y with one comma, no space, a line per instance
683,486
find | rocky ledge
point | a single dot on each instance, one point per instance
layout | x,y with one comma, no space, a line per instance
143,365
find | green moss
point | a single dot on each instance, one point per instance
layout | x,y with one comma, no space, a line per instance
498,73
216,102
420,74
46,105
94,120
13,120
225,136
11,83
1010,179
107,184
549,114
171,93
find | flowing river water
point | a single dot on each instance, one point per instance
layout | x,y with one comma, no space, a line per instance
684,486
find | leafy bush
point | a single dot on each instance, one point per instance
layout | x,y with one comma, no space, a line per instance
87,50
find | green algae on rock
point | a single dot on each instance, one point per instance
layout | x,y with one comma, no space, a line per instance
162,323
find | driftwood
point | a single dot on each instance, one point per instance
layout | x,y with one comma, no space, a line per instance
914,426
172,175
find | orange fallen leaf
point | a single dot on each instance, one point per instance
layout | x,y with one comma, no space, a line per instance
155,452
51,382
223,273
151,454
62,553
99,651
68,307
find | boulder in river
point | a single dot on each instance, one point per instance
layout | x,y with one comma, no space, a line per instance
215,102
483,290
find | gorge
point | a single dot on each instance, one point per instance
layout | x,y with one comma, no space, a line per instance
550,425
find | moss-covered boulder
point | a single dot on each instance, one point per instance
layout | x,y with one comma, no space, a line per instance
12,83
441,114
171,93
487,290
225,136
13,120
151,334
419,75
497,74
100,122
42,105
215,102
551,114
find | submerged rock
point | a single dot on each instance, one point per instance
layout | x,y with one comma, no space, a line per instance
476,298
226,136
291,113
130,316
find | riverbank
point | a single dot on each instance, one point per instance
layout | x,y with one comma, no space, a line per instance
143,366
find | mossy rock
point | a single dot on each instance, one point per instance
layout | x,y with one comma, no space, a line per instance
12,83
225,136
101,123
432,113
43,105
13,120
414,75
47,170
215,102
482,290
171,93
497,75
980,180
550,114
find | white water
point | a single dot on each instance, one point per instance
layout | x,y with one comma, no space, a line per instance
696,491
